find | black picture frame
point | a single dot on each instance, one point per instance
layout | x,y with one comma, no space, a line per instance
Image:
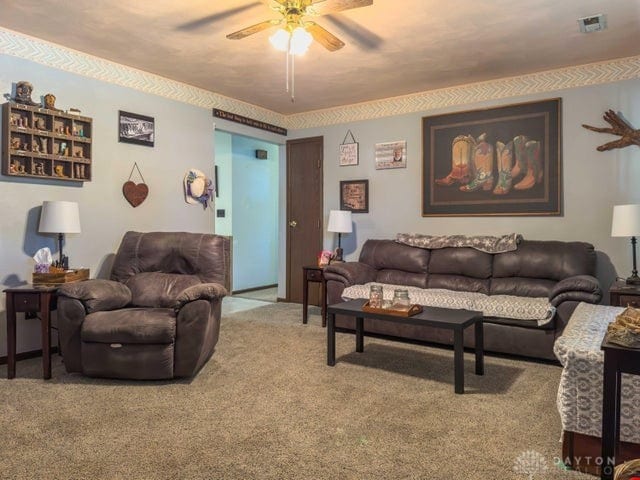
466,172
135,128
354,196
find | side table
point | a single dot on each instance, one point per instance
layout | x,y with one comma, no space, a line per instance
34,299
313,273
617,360
622,294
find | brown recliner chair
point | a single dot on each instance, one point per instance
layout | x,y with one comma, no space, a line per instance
159,315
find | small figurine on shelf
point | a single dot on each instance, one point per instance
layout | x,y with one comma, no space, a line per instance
39,168
43,145
67,130
16,167
15,143
59,171
50,102
23,94
79,153
40,123
25,147
63,149
35,147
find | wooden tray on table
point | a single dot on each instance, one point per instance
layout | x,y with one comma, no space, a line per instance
411,311
66,276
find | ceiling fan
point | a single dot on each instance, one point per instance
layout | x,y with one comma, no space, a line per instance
292,20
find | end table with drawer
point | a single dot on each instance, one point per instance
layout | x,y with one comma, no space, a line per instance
622,294
313,273
30,299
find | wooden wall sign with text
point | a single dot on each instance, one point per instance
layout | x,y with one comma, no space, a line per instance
233,117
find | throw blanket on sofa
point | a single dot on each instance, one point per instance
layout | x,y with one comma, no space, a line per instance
579,398
505,306
488,244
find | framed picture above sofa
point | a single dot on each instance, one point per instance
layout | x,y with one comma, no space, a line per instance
497,161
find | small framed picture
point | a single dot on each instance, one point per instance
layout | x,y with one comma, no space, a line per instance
354,195
324,257
348,154
391,155
137,129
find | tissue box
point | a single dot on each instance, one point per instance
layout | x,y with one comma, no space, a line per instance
67,276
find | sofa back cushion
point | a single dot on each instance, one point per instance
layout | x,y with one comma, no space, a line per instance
536,266
159,290
461,269
389,255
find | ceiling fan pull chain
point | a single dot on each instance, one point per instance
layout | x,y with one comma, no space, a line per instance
293,78
288,59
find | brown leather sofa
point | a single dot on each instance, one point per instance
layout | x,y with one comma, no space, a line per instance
561,271
159,315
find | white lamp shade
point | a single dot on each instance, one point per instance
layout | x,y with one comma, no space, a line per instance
59,217
626,221
340,221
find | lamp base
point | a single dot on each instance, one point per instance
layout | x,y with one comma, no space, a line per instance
633,280
338,256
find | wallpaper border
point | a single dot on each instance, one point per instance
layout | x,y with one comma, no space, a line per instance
53,55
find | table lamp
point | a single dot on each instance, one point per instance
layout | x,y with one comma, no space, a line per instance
339,222
60,217
626,223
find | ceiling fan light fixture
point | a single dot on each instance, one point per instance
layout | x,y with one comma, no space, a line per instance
300,41
280,40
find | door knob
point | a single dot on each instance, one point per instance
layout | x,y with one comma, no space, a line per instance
293,223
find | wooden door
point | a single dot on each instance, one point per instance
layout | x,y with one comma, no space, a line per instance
304,213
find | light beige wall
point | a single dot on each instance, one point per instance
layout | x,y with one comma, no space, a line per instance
184,138
592,181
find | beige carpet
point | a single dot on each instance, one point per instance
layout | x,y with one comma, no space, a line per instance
267,406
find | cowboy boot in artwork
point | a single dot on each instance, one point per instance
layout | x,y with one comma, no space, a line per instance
483,165
534,166
461,164
504,159
520,155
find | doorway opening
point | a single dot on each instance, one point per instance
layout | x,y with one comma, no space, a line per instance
247,209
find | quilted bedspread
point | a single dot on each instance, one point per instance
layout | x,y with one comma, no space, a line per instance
579,398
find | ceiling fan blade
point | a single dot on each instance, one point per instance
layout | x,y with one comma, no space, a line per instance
324,7
323,37
258,27
201,22
363,36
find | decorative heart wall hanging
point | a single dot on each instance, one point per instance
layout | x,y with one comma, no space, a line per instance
135,193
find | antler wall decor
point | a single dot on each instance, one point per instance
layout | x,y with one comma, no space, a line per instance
619,127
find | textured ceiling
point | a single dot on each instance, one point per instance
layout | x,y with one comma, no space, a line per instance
394,47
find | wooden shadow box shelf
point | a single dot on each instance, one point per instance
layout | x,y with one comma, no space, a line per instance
42,143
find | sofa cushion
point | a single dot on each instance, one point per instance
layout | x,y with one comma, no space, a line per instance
130,325
387,254
459,283
551,260
159,290
520,286
461,261
398,277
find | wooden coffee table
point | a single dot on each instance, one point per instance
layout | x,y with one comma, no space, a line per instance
456,320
